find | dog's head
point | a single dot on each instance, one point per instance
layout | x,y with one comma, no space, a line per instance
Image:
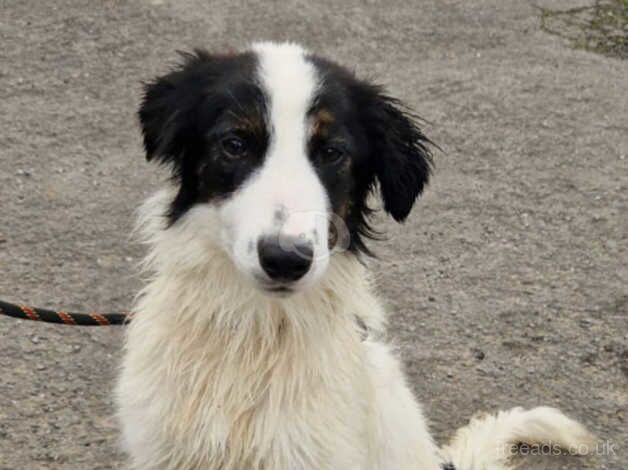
284,148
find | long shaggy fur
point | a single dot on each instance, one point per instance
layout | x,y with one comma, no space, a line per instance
489,441
219,376
248,347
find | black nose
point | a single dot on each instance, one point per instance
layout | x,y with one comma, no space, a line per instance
285,259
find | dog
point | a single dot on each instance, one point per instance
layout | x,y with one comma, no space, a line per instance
256,343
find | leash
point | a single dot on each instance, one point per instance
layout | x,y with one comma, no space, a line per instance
26,312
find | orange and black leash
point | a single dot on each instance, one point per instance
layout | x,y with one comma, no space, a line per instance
26,312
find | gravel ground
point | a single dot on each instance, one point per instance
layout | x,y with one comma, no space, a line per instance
508,285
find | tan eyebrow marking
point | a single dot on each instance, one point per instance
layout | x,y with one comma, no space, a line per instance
252,123
325,116
321,121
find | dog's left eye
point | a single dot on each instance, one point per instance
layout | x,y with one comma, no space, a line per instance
233,146
331,154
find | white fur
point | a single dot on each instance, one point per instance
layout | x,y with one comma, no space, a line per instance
219,375
490,440
287,182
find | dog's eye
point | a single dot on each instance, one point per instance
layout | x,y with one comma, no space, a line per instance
233,146
331,154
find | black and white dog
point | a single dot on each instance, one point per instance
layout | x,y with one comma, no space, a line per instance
253,346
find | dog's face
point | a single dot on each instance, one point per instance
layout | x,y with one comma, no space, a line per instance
284,147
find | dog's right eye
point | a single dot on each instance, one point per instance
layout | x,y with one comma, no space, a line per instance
233,146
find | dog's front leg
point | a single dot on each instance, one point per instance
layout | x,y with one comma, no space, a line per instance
399,437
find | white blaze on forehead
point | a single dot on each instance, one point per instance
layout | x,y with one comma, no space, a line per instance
284,196
290,82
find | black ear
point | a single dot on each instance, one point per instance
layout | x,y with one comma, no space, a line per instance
157,117
167,111
400,154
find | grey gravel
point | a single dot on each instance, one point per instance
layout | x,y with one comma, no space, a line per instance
518,250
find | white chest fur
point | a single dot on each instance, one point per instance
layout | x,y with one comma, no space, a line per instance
211,382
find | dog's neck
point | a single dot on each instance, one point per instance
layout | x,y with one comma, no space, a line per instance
195,283
216,300
211,340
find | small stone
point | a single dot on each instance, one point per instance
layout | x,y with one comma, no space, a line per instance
479,354
589,358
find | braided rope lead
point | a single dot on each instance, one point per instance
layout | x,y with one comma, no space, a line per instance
65,318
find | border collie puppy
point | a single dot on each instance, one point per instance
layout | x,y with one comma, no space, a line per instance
255,344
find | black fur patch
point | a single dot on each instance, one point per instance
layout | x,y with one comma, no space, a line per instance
186,114
361,137
448,466
384,146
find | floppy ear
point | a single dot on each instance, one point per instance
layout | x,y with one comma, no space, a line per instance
166,112
400,155
158,118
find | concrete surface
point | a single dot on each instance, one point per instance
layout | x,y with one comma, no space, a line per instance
517,253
